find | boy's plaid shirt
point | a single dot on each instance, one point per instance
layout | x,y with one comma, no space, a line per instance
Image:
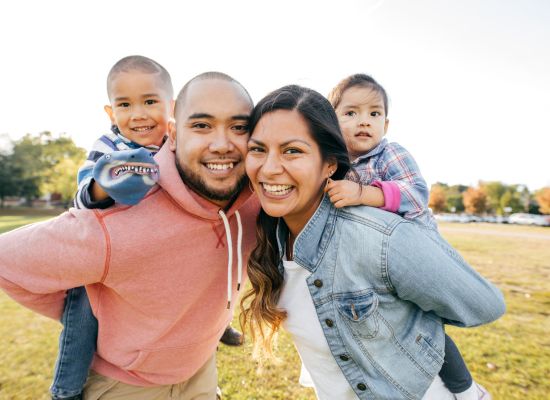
391,162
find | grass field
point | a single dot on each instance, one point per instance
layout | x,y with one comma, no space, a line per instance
510,357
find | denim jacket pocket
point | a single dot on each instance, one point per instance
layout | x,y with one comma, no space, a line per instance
359,312
430,351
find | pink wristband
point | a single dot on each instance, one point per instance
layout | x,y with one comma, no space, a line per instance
392,195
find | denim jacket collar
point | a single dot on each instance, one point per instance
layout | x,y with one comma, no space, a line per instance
312,241
378,149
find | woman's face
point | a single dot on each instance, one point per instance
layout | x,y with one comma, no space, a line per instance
285,167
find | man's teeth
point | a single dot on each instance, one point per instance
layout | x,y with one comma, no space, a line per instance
219,167
277,189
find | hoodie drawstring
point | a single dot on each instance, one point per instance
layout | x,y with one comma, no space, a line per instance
230,254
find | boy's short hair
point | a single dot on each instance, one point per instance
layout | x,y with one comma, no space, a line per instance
140,64
357,80
204,77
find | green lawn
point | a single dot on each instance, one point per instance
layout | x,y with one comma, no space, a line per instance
510,357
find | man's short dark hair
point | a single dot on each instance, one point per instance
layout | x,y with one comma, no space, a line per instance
204,77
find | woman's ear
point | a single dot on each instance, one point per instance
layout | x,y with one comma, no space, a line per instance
332,166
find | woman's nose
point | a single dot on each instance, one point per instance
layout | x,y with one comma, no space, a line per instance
272,165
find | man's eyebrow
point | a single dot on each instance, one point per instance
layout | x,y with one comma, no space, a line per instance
200,116
240,117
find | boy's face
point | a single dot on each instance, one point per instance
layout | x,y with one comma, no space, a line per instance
362,119
140,107
210,138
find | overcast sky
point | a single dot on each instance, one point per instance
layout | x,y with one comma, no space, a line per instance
468,81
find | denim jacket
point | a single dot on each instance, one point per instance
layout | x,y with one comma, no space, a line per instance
382,288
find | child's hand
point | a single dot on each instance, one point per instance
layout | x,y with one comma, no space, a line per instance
343,193
127,175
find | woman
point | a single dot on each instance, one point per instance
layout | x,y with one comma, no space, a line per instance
364,293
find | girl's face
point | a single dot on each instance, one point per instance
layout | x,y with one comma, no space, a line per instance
285,167
362,119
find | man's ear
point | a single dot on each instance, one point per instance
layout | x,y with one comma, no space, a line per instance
109,110
172,134
386,125
172,107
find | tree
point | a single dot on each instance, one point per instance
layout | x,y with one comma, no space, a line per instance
437,200
8,178
510,199
475,200
494,190
38,164
454,198
62,179
543,198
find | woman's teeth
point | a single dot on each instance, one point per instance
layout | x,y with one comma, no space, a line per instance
219,167
277,189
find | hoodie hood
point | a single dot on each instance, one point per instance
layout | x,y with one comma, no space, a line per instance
186,198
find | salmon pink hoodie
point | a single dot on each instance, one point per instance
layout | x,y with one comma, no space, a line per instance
156,275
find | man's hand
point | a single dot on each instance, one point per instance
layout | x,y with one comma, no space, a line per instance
127,175
343,193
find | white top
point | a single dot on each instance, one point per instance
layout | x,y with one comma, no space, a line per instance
304,327
319,369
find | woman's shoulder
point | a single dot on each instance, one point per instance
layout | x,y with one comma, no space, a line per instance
365,217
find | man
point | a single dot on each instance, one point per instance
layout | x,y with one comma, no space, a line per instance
162,276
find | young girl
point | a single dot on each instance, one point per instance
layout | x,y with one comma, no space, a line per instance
363,293
388,178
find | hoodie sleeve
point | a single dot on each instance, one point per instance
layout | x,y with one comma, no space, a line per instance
39,262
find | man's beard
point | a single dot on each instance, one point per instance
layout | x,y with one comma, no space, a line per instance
197,184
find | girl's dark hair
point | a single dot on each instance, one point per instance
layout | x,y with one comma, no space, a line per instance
259,305
357,80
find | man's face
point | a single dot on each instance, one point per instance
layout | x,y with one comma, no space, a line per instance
210,138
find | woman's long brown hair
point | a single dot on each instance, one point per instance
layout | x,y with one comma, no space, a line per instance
259,311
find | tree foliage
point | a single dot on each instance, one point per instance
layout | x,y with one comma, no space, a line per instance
475,200
38,164
543,198
438,199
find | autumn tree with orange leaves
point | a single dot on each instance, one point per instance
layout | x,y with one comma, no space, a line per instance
543,198
438,199
475,200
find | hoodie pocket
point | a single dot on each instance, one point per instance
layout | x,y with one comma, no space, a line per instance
359,313
170,360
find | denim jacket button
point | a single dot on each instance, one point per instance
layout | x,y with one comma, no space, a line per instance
361,386
344,357
318,283
329,323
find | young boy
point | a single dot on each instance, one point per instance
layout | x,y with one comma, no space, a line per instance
386,176
141,104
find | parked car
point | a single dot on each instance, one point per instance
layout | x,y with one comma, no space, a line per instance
529,219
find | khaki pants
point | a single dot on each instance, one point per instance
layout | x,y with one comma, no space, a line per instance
201,386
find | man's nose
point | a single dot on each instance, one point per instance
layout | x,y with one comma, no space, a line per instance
221,143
